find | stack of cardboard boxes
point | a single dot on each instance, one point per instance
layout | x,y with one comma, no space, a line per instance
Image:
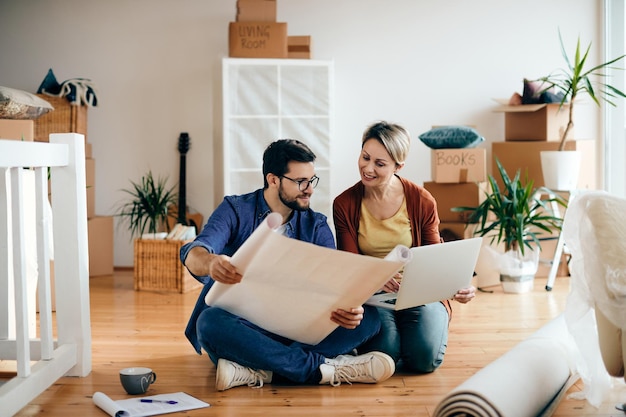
459,178
67,118
532,128
528,130
257,34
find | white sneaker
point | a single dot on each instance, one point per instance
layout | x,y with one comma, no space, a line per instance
368,368
230,374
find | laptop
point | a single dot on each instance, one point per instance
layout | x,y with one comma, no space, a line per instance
434,273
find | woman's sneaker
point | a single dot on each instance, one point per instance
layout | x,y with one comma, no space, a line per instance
230,374
368,368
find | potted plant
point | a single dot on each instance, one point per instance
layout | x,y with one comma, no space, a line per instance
577,80
156,260
147,209
515,216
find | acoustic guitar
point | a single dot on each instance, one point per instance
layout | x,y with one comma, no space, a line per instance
183,217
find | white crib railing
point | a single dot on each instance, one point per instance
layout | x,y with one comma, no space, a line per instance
68,353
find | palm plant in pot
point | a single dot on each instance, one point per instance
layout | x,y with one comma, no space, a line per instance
573,82
515,215
147,209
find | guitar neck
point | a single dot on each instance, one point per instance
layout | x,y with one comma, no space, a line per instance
182,191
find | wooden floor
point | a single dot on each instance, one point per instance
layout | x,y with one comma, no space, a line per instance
146,329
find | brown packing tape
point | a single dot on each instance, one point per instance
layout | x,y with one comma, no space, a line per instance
463,175
299,48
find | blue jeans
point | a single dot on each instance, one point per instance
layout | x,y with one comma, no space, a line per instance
416,338
224,335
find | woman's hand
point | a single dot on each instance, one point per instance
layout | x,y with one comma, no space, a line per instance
392,285
348,319
465,295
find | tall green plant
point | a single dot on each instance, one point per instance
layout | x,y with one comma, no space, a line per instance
577,79
515,214
148,206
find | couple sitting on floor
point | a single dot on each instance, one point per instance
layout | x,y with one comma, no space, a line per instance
379,212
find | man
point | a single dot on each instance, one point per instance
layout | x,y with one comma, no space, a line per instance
244,353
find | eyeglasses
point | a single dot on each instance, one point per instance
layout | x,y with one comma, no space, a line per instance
304,184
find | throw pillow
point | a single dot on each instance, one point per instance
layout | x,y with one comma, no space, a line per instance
536,92
78,91
18,104
449,137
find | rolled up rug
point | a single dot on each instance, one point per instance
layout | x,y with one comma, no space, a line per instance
527,381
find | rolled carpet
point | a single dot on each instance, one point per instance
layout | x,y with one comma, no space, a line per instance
527,381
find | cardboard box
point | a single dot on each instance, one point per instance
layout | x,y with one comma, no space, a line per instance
526,157
257,40
546,257
535,122
299,47
256,11
90,181
450,231
458,165
88,150
17,129
100,234
469,194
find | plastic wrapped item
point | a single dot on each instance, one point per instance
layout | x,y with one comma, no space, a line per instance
595,233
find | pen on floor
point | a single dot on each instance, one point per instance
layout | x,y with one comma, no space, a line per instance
148,400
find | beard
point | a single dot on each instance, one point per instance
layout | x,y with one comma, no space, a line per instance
293,202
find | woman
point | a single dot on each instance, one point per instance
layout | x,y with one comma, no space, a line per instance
379,212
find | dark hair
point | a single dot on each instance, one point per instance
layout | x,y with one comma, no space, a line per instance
279,153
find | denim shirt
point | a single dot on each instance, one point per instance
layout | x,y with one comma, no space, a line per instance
232,223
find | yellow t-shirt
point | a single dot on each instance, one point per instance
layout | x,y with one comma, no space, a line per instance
378,237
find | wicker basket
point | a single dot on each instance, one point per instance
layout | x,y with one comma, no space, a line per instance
158,267
65,118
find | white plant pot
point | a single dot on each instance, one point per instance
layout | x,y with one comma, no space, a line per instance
517,284
561,169
517,271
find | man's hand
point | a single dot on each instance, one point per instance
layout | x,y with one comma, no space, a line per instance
348,319
465,295
201,262
221,270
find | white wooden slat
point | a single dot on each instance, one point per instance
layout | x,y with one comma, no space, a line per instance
5,229
9,349
15,153
43,263
71,257
18,392
19,272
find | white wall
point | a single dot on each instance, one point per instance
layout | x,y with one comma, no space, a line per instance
157,65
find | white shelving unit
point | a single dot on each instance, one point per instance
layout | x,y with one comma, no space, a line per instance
270,99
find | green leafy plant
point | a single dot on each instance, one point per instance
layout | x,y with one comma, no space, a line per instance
577,79
148,206
515,214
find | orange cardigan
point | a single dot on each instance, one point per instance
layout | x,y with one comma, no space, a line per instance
421,206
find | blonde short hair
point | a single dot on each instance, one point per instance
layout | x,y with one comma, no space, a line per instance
393,137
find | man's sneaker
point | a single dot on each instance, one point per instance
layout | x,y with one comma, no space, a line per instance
368,368
230,374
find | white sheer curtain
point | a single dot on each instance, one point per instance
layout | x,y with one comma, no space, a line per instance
614,124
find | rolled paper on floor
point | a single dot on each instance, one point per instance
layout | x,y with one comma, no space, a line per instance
527,381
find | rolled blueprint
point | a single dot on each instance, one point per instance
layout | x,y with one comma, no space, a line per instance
290,287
